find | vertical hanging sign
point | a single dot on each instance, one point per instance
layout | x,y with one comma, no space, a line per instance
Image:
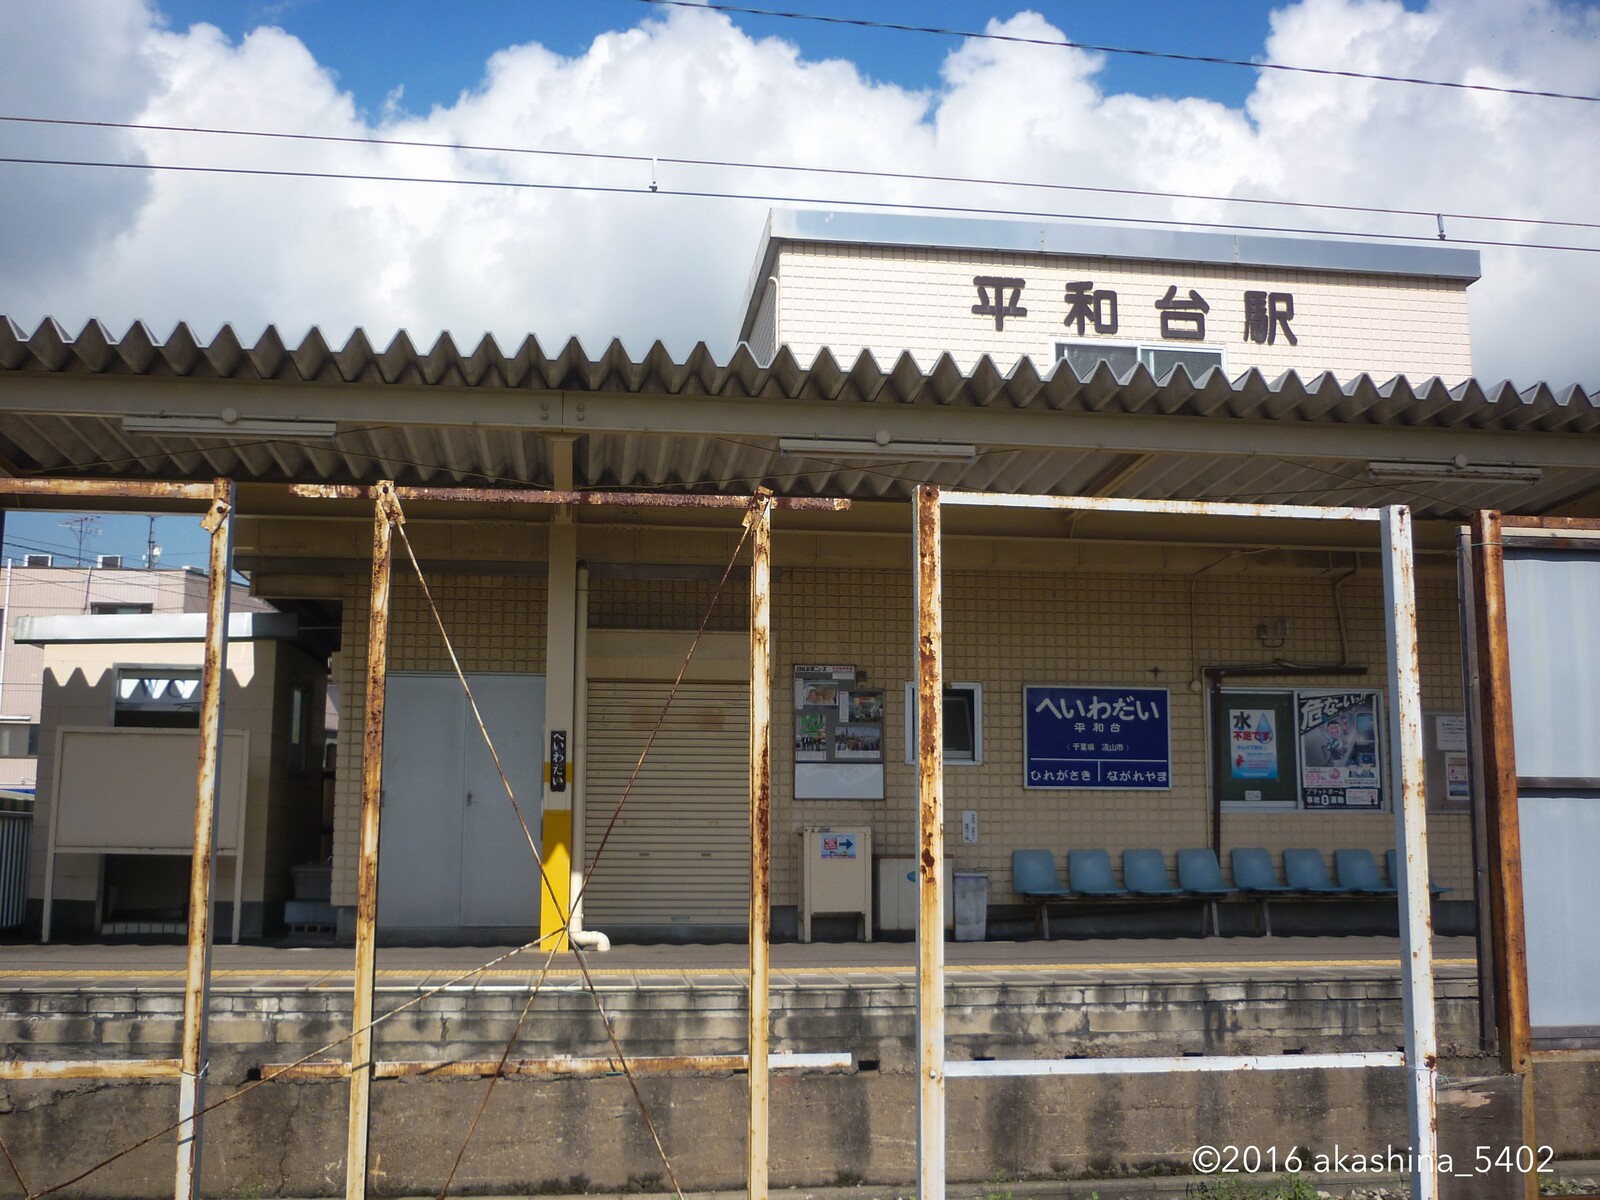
558,760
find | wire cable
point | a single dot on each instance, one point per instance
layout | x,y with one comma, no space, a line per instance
1169,55
564,912
661,718
286,1069
790,168
773,198
15,1170
488,1091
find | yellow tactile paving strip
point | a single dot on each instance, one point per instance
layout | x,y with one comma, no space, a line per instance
1182,970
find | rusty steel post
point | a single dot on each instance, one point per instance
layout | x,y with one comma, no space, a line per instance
930,858
386,515
760,521
197,977
1467,606
1411,835
1502,827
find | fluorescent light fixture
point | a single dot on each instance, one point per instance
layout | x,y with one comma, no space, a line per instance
879,448
228,423
1456,469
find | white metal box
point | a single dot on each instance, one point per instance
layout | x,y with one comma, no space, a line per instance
897,893
835,876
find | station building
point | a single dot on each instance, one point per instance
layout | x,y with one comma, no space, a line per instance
1100,664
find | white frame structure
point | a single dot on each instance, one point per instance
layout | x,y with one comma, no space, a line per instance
1420,1056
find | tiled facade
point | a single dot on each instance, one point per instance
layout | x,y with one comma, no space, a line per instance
893,299
1003,630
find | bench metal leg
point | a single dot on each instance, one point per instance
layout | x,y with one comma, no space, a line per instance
1264,914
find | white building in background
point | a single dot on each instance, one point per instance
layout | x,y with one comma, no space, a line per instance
34,586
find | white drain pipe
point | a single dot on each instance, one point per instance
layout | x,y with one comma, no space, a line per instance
588,939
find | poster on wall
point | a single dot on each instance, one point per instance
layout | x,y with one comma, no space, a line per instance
838,735
1447,772
1117,738
1253,738
1254,747
1340,764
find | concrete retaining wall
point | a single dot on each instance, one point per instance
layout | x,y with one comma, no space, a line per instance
288,1138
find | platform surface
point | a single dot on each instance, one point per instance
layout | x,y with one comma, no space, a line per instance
1166,960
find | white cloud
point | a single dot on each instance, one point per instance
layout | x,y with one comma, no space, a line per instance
640,266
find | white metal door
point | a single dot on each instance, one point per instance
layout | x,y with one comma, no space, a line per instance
452,853
680,852
419,849
499,874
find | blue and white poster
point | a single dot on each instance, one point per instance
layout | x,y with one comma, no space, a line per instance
1097,737
1253,753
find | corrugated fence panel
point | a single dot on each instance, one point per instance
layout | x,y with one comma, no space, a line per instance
679,854
15,830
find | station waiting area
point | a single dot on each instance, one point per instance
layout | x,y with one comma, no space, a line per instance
1200,882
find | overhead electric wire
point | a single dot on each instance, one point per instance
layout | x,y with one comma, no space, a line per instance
775,198
1170,55
791,168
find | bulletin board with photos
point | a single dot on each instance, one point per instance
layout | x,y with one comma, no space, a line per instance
838,734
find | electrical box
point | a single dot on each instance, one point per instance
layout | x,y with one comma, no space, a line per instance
835,876
898,902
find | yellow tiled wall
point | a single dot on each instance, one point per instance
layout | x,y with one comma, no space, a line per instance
670,604
1003,630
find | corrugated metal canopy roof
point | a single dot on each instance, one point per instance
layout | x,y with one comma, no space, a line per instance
472,426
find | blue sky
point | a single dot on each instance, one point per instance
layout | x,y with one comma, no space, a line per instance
435,49
183,543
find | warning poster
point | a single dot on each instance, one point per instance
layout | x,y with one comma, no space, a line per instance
1340,764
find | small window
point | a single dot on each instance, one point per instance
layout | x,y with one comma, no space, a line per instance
1084,357
963,723
1159,360
300,728
158,697
113,609
19,740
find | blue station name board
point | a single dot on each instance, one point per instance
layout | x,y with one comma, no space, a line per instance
1097,737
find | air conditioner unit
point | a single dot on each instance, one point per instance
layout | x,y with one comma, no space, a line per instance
38,560
108,560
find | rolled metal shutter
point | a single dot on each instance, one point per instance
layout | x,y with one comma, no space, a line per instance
680,851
